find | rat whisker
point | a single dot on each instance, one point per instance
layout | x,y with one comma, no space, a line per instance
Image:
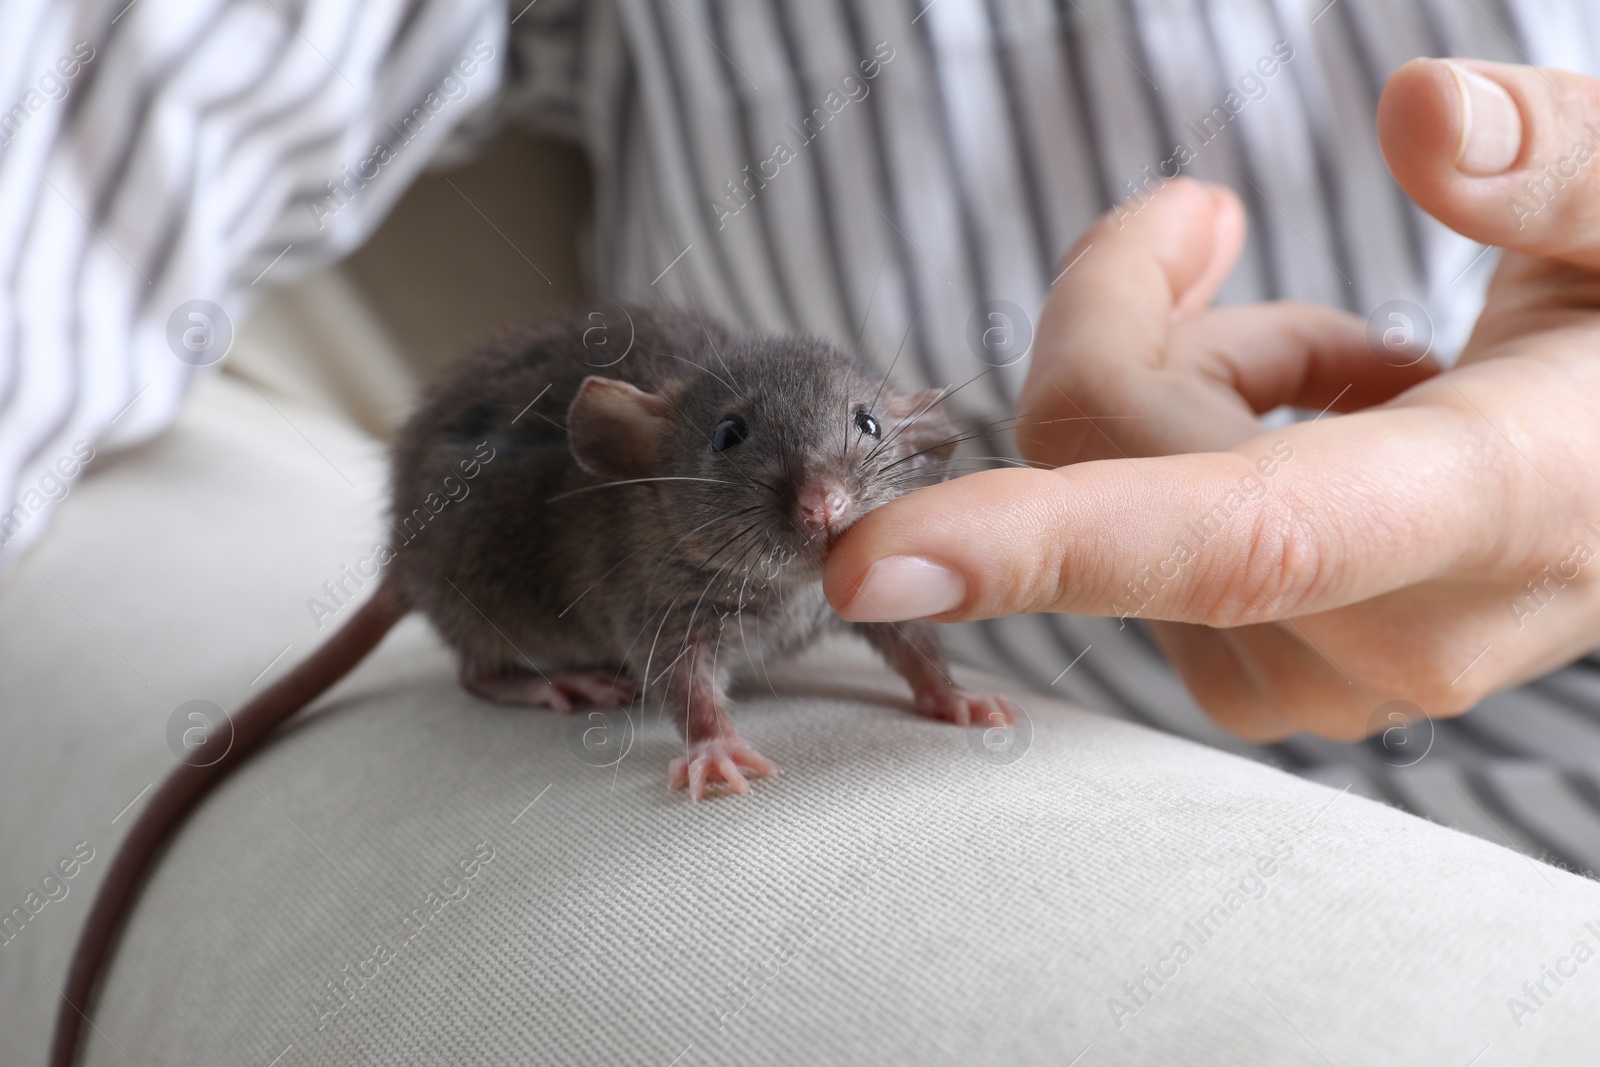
666,613
1022,419
961,438
688,628
763,659
866,317
1012,423
668,557
910,321
985,429
844,449
636,481
682,587
904,424
714,350
657,541
728,543
744,640
844,437
644,683
916,479
873,455
1012,460
746,561
668,668
948,392
908,481
956,439
700,367
982,430
944,394
700,568
711,583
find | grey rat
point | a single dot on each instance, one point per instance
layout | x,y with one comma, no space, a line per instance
583,526
671,528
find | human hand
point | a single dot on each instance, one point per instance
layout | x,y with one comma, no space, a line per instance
1432,545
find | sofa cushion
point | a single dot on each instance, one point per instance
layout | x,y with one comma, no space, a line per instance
412,875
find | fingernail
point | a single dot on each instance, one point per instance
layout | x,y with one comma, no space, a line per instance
905,587
1491,125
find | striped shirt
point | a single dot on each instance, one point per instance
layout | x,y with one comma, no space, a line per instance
158,160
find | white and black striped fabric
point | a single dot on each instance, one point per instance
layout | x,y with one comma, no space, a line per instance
158,158
878,169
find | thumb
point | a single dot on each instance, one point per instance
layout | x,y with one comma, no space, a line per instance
1501,153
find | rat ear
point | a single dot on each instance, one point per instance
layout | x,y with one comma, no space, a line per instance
617,431
930,431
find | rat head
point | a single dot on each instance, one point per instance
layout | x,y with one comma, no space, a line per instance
769,451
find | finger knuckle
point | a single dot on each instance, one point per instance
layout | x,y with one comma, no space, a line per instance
1407,659
1436,684
1284,564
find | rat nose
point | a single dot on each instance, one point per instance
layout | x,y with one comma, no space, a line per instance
823,507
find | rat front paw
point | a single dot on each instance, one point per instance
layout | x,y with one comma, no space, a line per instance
966,709
718,760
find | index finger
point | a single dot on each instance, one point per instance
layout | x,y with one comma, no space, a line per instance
1313,518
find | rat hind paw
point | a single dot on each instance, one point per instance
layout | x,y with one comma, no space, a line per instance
966,709
598,688
559,691
718,760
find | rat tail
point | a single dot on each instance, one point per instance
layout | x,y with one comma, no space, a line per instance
187,784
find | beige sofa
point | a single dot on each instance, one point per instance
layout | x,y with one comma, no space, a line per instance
414,876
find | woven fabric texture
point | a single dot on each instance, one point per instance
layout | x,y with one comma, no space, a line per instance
375,888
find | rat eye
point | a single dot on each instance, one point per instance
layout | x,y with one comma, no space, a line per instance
866,423
729,432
